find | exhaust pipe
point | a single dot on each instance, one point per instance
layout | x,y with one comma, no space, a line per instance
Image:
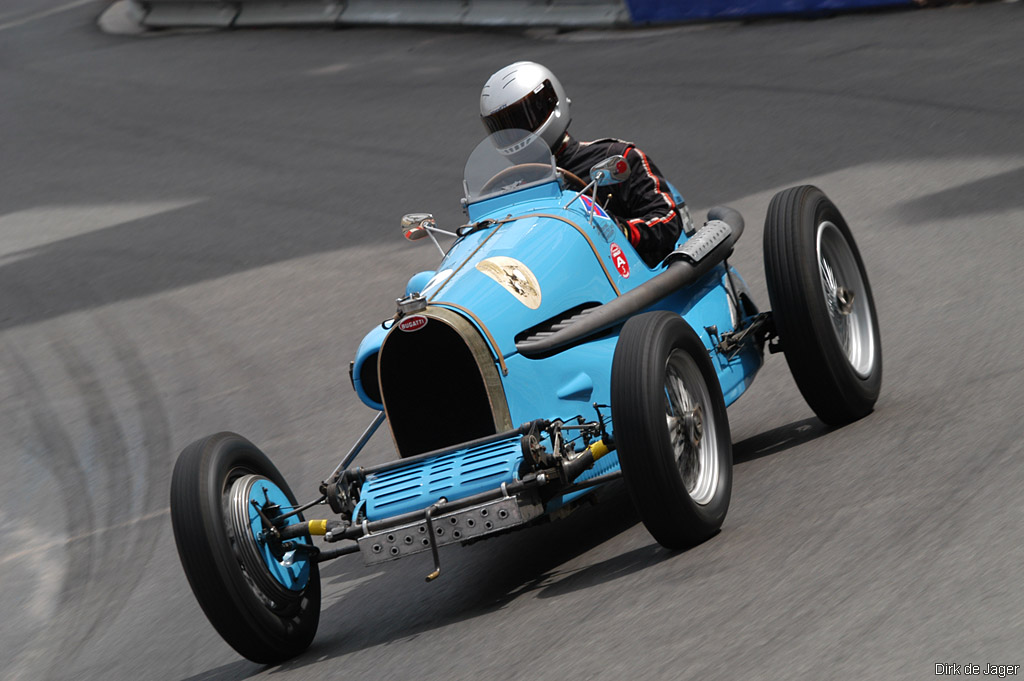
712,244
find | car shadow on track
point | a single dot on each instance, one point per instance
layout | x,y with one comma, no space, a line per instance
394,603
778,440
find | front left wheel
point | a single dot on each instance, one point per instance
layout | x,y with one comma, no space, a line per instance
261,595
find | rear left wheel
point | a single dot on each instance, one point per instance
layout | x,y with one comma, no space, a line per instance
822,305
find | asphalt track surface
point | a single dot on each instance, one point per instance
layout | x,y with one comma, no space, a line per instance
196,229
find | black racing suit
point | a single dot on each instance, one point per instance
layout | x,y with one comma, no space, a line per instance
642,204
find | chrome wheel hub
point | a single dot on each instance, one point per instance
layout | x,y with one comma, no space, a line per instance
848,305
275,579
688,415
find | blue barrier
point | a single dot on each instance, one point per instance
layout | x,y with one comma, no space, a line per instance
656,11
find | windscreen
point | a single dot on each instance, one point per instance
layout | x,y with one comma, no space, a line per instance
507,161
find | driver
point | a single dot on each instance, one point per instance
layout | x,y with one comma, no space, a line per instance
528,96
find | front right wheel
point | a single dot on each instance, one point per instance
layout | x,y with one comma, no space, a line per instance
262,596
671,429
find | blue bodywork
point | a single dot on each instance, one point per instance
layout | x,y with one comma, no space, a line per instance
570,252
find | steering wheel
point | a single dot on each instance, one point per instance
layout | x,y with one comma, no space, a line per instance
572,180
531,172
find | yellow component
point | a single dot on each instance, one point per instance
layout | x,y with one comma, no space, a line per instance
317,527
598,449
433,575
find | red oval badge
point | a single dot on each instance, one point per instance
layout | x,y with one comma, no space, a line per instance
619,258
413,323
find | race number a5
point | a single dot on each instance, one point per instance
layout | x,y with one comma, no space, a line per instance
620,262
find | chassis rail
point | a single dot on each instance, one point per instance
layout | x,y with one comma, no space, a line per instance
511,505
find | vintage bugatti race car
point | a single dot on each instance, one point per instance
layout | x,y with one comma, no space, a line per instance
542,360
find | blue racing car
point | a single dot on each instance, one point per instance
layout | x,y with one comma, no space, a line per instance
542,360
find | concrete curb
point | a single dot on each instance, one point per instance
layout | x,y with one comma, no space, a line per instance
131,16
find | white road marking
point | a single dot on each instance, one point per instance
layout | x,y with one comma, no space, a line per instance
328,70
40,547
892,184
34,227
45,13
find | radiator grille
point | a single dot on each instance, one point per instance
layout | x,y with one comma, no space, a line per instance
454,476
433,389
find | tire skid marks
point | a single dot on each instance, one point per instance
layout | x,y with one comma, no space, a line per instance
135,539
93,419
48,431
112,516
156,429
108,438
60,460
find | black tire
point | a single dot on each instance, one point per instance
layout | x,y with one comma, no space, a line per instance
831,341
265,624
657,353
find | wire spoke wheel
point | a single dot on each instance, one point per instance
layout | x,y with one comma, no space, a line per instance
822,305
849,306
671,429
688,415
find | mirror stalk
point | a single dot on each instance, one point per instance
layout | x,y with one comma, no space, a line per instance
434,239
581,193
612,170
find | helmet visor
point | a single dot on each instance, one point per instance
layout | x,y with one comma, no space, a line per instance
528,113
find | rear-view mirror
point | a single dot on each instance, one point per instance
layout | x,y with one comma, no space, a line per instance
612,170
415,225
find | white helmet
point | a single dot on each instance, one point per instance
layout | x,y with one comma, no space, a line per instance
525,96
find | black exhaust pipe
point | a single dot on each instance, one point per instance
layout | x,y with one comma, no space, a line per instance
712,244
